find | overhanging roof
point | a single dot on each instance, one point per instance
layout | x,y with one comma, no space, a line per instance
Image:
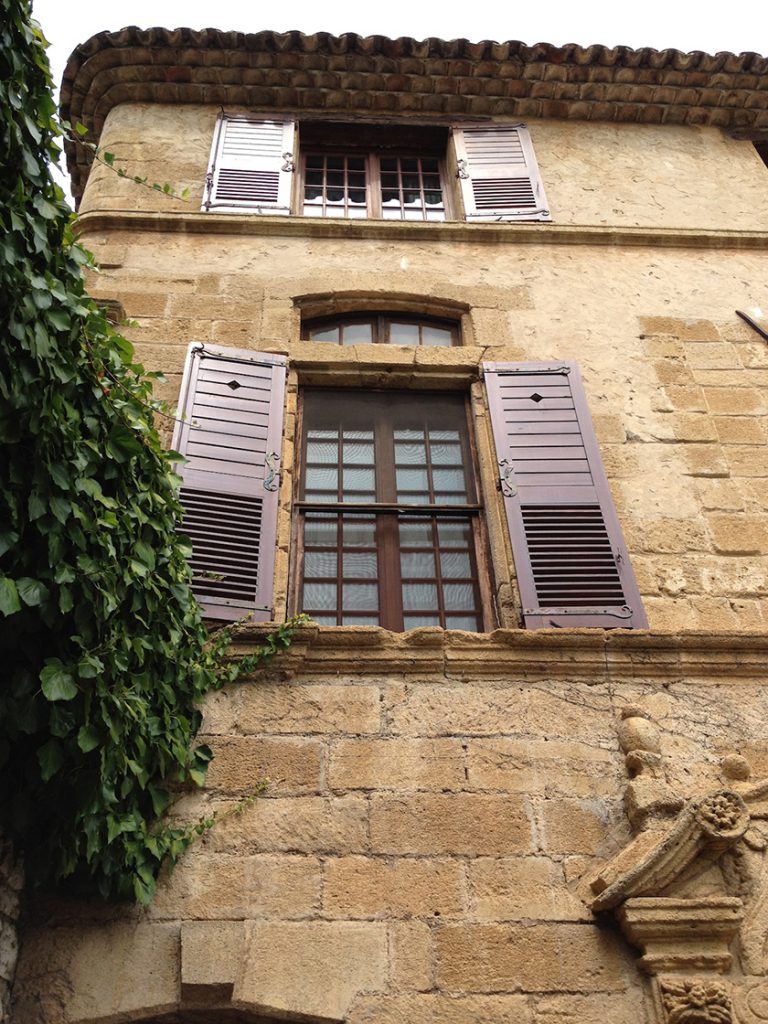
433,79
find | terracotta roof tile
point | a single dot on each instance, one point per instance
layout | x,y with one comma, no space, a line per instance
440,78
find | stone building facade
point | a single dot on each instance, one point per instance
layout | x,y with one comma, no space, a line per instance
499,822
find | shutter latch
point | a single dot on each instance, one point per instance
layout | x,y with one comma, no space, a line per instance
288,164
505,486
462,171
272,479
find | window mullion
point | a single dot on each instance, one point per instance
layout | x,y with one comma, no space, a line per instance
387,529
373,175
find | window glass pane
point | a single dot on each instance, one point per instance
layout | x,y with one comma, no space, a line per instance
319,596
411,479
449,480
322,451
319,533
453,534
358,435
410,454
415,621
355,454
468,622
322,478
417,564
360,565
319,564
324,334
359,480
324,620
356,334
455,565
415,533
459,597
350,619
431,335
360,596
403,334
418,596
359,532
445,455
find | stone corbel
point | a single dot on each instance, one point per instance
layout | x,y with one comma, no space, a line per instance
685,943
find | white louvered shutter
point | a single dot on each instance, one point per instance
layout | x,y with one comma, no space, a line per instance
498,173
230,433
251,166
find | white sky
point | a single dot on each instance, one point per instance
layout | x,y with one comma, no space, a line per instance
736,26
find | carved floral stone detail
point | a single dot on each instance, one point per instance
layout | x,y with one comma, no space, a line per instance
721,811
695,1001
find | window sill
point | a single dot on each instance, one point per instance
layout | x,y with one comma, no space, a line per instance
539,233
516,654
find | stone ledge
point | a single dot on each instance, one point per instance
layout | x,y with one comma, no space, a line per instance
586,655
449,231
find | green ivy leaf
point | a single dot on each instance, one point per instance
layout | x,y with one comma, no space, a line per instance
50,757
32,592
56,681
88,738
9,597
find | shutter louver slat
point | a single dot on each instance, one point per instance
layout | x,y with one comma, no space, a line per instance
229,489
498,173
572,563
251,165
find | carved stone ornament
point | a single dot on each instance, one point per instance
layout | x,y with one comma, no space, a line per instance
695,1001
654,859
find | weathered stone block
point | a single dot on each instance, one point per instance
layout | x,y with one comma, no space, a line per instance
522,889
401,887
241,763
396,764
315,968
540,958
461,823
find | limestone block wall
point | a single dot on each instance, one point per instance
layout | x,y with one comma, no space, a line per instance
594,174
435,803
675,380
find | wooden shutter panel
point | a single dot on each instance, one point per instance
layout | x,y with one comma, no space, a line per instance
571,560
498,173
251,166
230,432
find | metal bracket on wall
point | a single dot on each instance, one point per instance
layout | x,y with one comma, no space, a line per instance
753,324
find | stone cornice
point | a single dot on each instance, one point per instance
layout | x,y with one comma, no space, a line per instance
452,231
430,80
593,656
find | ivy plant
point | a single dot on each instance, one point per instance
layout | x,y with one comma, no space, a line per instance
105,658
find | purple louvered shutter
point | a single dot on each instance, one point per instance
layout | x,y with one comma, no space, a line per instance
498,172
572,563
230,433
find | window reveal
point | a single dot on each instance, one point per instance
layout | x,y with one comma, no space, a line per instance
388,511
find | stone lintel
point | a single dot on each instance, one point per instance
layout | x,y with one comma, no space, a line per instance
679,935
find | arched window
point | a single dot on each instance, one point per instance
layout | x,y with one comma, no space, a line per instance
382,329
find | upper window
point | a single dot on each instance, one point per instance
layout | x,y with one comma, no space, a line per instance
381,329
388,172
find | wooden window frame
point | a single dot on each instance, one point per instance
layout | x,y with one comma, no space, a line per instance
374,210
380,326
388,513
